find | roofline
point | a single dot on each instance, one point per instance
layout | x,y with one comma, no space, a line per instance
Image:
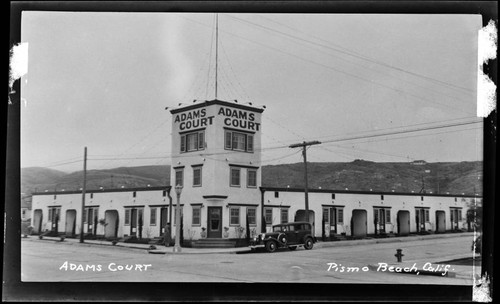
216,102
155,188
279,189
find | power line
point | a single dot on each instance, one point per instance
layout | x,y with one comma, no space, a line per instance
337,70
351,53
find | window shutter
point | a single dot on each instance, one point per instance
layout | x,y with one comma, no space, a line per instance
250,143
201,140
183,143
228,140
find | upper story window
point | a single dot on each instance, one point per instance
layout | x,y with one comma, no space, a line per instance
252,178
197,176
238,141
179,177
235,177
193,141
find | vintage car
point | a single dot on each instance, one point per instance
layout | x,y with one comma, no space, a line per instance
289,235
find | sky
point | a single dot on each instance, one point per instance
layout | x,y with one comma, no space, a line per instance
385,88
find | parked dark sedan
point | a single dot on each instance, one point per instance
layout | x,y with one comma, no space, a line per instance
289,235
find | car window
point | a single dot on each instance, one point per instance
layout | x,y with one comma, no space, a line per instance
277,228
291,228
298,227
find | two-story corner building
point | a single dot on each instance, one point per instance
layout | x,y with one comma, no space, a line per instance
216,156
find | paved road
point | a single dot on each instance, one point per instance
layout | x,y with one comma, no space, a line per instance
44,260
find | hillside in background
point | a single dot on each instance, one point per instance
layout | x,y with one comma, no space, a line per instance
453,177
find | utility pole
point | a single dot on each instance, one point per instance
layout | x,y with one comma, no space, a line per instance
216,50
304,146
83,192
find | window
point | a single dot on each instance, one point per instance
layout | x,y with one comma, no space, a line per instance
276,194
340,216
252,178
333,195
152,219
134,194
164,193
388,215
127,217
459,214
326,215
193,141
284,216
252,216
196,215
238,141
91,195
269,216
196,176
421,198
179,177
382,197
84,215
235,177
234,216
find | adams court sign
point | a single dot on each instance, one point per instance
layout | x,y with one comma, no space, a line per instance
231,117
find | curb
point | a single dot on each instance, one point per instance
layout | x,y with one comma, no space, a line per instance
238,250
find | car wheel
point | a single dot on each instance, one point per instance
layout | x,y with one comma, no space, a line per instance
271,246
308,244
292,247
282,239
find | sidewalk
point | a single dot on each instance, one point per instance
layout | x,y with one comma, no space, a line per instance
160,249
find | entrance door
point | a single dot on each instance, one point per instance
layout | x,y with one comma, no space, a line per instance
333,221
455,218
420,219
379,220
163,220
214,222
133,222
54,217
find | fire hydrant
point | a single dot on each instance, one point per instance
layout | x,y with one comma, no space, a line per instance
399,255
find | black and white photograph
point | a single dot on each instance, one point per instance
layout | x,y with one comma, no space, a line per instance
234,148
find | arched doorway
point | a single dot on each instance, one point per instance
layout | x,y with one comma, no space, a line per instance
37,221
440,221
70,222
359,223
403,222
112,221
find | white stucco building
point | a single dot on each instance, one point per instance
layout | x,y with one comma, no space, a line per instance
216,158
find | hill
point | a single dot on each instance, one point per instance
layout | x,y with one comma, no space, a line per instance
452,177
